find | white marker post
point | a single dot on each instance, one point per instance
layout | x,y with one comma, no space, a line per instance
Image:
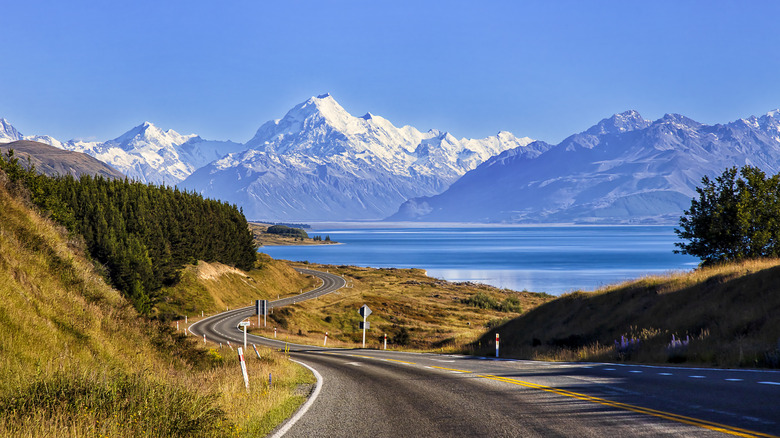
385,341
244,324
364,312
274,332
243,368
177,326
325,342
496,344
204,338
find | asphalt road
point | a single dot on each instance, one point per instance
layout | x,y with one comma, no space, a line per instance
382,393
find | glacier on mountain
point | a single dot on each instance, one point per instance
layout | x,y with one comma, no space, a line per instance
319,162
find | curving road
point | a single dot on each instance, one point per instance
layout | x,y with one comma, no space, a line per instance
223,327
383,393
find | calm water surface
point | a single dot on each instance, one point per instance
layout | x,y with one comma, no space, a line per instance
543,258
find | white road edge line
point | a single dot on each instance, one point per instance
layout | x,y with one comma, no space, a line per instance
294,419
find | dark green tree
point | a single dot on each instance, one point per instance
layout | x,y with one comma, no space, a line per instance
734,217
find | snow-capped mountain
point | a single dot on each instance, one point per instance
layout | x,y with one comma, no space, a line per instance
320,163
625,169
8,133
150,154
145,153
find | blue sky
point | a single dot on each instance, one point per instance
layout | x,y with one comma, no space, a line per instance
543,69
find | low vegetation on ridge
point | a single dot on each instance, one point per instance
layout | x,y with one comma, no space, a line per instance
723,316
416,312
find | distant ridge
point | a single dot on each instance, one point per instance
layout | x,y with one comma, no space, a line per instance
53,161
623,170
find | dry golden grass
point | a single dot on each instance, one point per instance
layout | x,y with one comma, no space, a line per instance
213,287
728,312
430,311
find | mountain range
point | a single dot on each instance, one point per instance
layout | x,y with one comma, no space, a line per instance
145,153
625,169
319,162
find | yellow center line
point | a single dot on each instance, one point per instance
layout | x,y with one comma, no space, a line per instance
450,369
400,361
731,430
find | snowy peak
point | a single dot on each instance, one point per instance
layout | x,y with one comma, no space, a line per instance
310,118
322,108
624,122
8,133
679,121
149,135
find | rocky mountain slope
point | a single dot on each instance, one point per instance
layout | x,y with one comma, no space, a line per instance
53,161
625,169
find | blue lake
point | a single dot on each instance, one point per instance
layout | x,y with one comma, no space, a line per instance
553,259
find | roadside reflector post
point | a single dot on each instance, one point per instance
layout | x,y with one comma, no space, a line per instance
256,352
243,368
185,319
385,341
274,332
204,338
496,344
201,314
364,312
177,326
325,342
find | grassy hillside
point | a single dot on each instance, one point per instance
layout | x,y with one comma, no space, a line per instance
213,287
416,311
77,360
728,315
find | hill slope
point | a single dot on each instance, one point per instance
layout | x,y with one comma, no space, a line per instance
53,161
729,313
77,360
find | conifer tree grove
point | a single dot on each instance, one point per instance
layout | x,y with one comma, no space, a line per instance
142,234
